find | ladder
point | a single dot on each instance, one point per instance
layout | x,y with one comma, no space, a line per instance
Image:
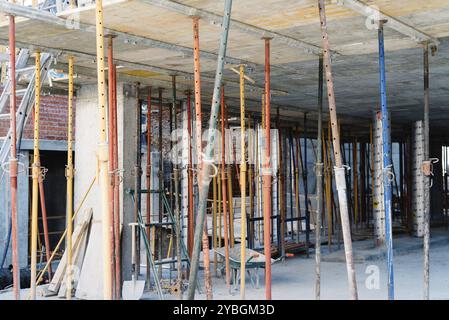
27,102
21,62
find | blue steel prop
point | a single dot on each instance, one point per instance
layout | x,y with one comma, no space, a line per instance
387,164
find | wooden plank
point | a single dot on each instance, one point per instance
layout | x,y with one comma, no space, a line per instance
78,232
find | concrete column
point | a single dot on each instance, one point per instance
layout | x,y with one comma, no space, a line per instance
91,280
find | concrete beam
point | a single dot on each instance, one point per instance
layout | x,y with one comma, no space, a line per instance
393,23
213,18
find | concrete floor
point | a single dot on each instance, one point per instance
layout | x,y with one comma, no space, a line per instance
294,278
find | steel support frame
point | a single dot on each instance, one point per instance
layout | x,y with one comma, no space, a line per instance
205,174
319,183
427,180
69,177
267,175
387,163
103,156
13,162
36,172
339,168
199,148
213,18
174,136
50,18
242,184
111,130
224,190
393,23
148,178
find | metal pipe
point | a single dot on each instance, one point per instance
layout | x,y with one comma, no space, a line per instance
161,180
206,169
242,185
223,189
251,148
339,168
36,168
281,189
306,191
214,222
13,163
266,175
426,225
137,172
111,152
117,179
197,77
319,183
148,180
190,216
355,176
387,164
176,189
103,156
363,193
69,176
44,223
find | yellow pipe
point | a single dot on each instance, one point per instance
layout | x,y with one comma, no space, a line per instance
250,179
103,157
69,175
242,184
35,176
231,207
170,245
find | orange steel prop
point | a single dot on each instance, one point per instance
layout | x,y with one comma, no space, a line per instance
13,157
267,176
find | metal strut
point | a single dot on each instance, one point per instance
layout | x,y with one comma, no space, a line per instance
206,168
387,164
242,185
266,176
69,177
35,176
103,156
224,190
427,179
319,183
176,189
13,157
339,168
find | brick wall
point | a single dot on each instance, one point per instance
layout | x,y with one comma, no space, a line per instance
53,119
